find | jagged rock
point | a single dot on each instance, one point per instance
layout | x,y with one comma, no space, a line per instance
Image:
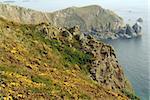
89,36
75,30
80,37
137,28
122,30
43,28
104,67
127,36
129,30
66,33
140,20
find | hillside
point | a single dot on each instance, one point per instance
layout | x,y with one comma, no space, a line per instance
47,62
88,17
22,15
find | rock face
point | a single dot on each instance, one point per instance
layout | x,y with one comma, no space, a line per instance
104,66
137,28
45,61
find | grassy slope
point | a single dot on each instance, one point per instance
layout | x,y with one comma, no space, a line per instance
32,66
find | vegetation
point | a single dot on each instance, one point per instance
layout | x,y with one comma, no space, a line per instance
130,95
34,65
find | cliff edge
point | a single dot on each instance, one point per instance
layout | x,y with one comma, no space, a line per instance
47,62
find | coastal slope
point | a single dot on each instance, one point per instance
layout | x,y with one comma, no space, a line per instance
43,61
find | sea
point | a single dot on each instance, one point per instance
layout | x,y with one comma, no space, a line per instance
134,54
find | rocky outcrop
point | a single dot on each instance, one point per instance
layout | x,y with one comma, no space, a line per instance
137,28
140,20
104,66
126,32
130,31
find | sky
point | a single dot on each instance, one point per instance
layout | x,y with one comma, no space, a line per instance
53,5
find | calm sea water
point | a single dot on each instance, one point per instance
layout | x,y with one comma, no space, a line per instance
133,54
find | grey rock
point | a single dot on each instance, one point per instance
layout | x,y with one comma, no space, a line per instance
140,20
129,30
80,37
121,31
66,33
137,28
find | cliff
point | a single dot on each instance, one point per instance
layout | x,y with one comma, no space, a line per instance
89,18
47,62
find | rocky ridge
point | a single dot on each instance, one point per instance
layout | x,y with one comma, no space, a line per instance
89,18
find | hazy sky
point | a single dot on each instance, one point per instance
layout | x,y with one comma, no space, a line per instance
52,5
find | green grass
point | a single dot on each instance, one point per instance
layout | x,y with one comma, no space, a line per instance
36,90
132,96
70,55
84,97
15,69
75,56
40,79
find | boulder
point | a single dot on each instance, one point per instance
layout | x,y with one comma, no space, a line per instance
127,36
140,20
129,30
75,30
137,28
121,32
66,33
80,37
